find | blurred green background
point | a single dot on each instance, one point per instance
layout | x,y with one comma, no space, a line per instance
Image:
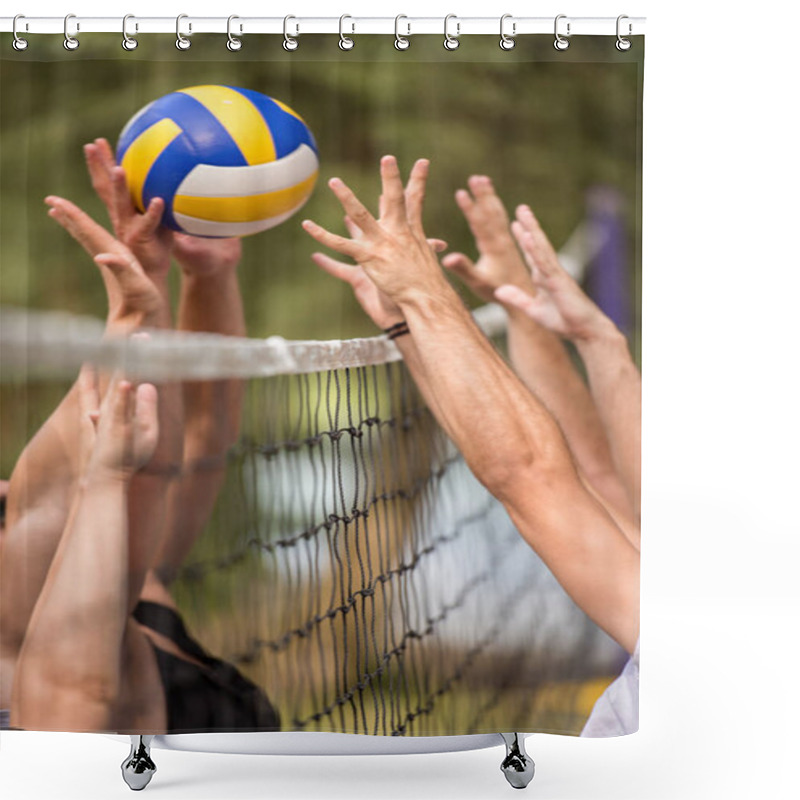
546,126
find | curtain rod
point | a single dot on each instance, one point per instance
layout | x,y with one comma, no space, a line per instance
452,26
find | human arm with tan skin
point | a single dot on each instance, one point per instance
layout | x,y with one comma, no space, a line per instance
508,438
615,382
44,479
205,414
138,302
377,306
537,354
142,249
70,670
210,301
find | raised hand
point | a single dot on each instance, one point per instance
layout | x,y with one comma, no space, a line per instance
377,306
560,305
133,299
392,250
122,431
142,233
499,259
150,242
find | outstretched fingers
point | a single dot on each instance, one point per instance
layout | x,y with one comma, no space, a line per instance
120,402
463,266
537,245
515,297
347,247
123,210
344,272
99,162
482,187
353,207
145,422
483,210
415,194
437,245
137,291
149,221
459,264
393,199
92,237
542,264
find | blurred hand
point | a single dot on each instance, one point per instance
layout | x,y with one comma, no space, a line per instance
202,257
119,435
143,233
134,301
499,261
392,250
560,305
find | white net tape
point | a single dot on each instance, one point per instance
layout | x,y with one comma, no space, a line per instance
55,344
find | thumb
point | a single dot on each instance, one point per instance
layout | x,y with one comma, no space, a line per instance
344,272
513,296
146,418
126,270
460,264
438,245
151,219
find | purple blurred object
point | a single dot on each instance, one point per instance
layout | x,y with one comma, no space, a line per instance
608,279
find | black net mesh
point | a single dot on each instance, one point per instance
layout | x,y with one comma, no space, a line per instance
355,569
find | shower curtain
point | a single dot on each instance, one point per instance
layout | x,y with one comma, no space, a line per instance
326,561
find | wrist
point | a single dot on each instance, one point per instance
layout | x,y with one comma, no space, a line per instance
604,336
438,305
98,476
397,330
206,273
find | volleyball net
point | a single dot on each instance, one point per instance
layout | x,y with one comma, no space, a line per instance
352,565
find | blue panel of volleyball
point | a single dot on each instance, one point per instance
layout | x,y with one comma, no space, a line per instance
226,161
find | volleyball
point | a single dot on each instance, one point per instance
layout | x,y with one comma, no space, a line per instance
226,161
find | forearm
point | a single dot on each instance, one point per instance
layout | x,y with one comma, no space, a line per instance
76,629
545,367
212,409
585,550
616,387
47,467
39,498
212,304
513,445
150,506
494,420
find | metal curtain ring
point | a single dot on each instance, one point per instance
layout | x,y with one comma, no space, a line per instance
345,42
290,42
129,42
451,42
560,42
70,42
623,44
18,43
401,42
507,42
234,43
182,43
